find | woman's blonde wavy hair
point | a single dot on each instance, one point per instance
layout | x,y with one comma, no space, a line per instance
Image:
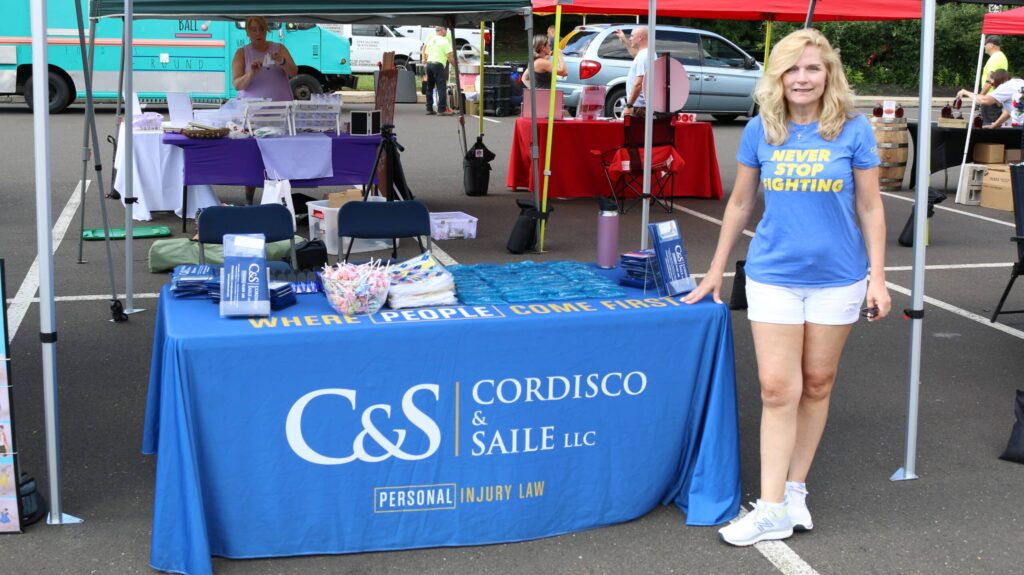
836,105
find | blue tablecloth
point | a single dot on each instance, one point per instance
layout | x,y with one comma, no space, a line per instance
311,433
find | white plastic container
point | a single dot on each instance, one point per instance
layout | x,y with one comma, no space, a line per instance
323,225
452,226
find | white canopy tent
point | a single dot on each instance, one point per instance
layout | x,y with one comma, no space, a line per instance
48,334
443,12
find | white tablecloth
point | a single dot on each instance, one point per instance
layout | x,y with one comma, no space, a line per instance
158,177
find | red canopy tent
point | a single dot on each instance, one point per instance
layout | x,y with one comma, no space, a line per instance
1009,22
778,10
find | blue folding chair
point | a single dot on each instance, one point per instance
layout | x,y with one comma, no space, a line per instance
274,221
384,220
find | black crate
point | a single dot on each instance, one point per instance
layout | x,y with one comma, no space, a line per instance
498,107
498,76
497,93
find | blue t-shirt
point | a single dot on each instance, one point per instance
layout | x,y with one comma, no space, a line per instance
808,236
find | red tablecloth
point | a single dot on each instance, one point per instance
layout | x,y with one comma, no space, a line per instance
575,172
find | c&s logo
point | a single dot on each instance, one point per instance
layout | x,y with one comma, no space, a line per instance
293,428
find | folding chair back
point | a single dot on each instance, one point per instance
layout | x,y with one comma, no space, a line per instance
274,221
662,132
384,220
623,166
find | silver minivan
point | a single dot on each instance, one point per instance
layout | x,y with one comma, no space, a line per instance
722,76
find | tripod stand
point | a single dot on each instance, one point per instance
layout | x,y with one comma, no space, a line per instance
392,177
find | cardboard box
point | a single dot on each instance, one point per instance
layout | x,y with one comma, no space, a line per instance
336,199
988,153
996,190
1013,156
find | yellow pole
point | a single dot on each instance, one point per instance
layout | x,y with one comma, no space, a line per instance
767,42
551,124
480,99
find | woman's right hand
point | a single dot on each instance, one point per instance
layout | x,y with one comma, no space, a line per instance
255,67
712,283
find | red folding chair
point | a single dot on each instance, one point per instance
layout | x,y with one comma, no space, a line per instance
623,166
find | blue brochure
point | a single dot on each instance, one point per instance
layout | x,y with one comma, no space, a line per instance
245,280
668,248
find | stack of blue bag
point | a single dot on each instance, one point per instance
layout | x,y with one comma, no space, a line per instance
203,281
641,269
190,280
281,293
526,282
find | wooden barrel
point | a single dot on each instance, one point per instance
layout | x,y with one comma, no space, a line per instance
892,138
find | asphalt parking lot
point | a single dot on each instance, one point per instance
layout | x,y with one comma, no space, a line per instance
963,515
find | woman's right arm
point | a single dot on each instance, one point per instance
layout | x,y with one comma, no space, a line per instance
737,214
240,77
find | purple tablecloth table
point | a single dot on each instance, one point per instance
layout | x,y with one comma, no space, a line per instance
238,162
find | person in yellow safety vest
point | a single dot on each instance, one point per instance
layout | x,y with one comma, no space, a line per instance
437,53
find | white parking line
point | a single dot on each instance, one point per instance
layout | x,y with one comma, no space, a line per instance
441,255
706,217
27,290
486,119
781,556
954,210
961,312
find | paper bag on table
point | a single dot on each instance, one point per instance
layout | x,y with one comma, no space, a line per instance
279,192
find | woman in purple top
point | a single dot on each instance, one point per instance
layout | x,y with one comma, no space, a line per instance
261,69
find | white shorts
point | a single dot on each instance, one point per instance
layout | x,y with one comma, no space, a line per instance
797,305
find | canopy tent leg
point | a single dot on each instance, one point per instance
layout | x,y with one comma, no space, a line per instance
458,92
645,219
916,311
129,162
810,14
551,122
44,247
970,117
117,311
534,133
480,96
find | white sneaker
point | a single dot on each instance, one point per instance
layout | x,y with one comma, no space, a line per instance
796,506
760,524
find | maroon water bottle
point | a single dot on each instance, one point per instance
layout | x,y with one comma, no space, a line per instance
607,233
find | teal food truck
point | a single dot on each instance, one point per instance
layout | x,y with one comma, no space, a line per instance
192,56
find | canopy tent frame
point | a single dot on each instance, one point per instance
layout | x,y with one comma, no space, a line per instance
468,11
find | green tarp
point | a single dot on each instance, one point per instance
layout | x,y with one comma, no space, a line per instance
140,232
396,12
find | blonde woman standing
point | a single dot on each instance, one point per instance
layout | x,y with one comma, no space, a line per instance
809,266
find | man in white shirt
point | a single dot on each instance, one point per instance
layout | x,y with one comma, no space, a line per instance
635,102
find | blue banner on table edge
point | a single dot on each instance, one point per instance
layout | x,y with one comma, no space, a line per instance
523,422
